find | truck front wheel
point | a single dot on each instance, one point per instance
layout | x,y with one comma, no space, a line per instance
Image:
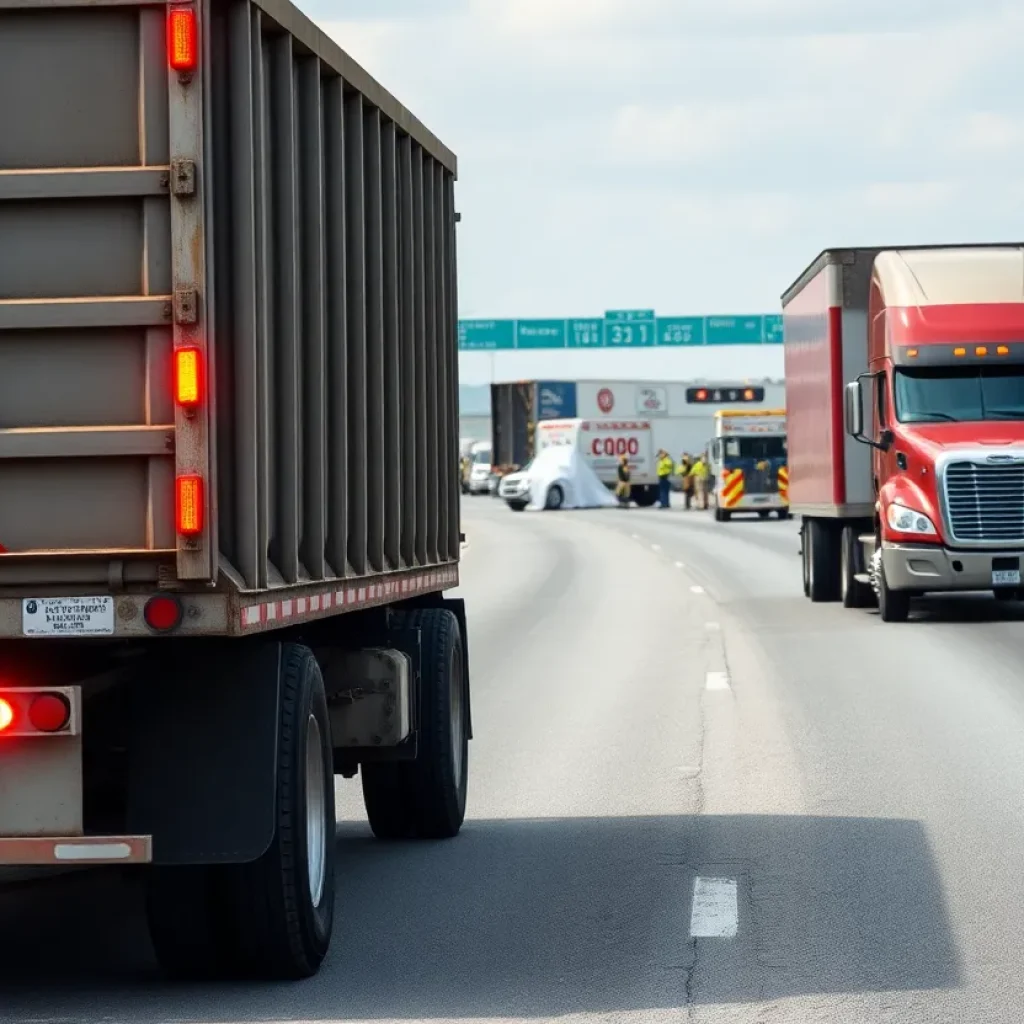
893,605
426,798
271,919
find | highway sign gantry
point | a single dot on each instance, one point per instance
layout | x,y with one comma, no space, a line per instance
617,329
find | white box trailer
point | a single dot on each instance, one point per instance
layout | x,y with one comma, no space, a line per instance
681,413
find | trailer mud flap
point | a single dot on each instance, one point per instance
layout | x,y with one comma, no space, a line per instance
204,752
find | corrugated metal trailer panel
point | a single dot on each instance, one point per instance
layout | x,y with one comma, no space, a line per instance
278,210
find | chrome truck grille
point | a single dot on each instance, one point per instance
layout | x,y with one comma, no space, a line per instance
985,502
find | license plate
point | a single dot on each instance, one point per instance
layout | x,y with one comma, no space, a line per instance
67,616
1006,577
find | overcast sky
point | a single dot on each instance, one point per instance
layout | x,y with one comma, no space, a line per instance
694,155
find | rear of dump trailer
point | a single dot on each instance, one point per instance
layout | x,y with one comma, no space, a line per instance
228,465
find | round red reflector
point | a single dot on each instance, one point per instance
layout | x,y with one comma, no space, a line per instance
49,712
6,714
162,613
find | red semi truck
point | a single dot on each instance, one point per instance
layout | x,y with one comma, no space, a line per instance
905,396
229,502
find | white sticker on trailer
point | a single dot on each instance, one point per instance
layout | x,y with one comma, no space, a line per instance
67,616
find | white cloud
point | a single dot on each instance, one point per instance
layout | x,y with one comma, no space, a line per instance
641,149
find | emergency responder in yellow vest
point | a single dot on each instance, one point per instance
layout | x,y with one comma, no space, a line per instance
622,488
684,475
699,473
666,467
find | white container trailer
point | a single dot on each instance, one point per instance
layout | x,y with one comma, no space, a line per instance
681,413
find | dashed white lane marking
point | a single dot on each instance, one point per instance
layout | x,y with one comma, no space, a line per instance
712,627
655,547
680,565
635,536
696,589
716,680
714,914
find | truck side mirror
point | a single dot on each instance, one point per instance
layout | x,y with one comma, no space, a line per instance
853,410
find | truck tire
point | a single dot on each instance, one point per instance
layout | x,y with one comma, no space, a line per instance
893,605
852,592
426,798
805,558
271,919
644,496
823,560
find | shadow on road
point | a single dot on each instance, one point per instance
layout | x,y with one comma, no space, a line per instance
530,918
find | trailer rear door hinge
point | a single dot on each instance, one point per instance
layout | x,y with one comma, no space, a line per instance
186,302
183,177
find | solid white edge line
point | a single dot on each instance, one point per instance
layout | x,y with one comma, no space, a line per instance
715,913
716,680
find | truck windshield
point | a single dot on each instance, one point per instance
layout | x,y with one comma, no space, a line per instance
755,448
955,394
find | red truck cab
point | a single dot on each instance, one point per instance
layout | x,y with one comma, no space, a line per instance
939,333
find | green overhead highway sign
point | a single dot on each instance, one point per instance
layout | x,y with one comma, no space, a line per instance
619,328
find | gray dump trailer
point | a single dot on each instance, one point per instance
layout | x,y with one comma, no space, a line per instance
228,465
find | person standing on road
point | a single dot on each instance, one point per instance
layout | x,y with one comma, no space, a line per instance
622,488
684,473
699,474
666,467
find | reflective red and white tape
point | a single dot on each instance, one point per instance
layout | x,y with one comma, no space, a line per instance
350,597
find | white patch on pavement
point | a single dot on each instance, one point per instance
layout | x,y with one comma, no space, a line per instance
712,627
696,589
714,914
679,565
655,547
716,680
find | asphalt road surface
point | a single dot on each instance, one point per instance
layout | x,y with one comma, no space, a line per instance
694,797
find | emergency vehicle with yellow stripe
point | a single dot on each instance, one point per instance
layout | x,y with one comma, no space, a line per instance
747,462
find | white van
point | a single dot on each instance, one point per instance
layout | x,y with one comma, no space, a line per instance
479,468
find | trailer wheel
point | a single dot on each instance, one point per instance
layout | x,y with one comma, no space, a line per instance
426,798
643,495
823,560
805,557
852,592
271,919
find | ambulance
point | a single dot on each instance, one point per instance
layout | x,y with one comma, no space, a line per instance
748,463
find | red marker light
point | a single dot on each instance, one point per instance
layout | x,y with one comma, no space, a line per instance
702,395
49,712
182,39
6,714
162,613
188,385
189,505
749,394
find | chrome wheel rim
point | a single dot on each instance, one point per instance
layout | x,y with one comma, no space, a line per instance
316,812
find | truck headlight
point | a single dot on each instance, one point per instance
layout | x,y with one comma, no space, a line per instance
909,520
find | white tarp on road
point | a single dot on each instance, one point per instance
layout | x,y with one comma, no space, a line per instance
562,466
